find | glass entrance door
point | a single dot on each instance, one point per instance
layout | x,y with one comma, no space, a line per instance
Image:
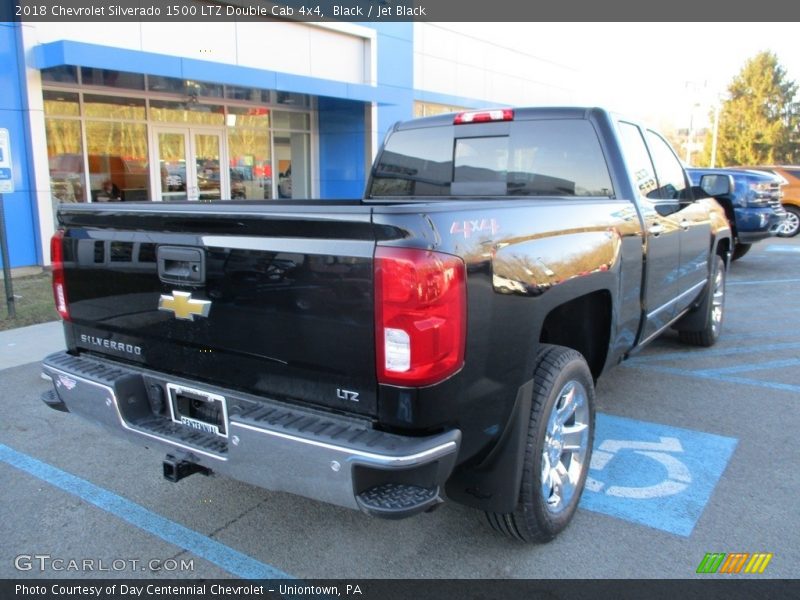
207,156
190,162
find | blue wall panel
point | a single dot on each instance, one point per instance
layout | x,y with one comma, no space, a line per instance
342,139
20,217
395,73
343,123
9,76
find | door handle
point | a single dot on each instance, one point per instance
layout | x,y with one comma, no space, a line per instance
656,229
685,225
181,265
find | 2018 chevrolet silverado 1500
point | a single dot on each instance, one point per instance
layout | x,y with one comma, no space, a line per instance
753,206
439,338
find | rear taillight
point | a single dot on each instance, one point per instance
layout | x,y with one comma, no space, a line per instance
420,315
484,116
59,285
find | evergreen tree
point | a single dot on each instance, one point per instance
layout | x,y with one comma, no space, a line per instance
758,123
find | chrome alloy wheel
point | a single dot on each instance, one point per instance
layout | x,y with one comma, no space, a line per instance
566,444
717,302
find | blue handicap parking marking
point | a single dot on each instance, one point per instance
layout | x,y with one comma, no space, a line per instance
746,373
782,248
652,474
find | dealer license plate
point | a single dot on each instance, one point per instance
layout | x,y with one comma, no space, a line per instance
199,410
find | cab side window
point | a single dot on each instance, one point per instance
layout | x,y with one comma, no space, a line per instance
669,172
638,158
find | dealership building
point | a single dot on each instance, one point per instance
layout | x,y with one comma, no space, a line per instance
208,112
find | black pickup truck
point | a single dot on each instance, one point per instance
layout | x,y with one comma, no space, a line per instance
439,338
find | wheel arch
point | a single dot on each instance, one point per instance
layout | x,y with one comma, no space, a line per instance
722,246
583,324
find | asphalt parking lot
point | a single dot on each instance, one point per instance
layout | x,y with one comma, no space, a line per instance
696,452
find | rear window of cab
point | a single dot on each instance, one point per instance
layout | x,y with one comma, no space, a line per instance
556,157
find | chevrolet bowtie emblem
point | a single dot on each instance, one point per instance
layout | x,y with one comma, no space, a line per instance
184,306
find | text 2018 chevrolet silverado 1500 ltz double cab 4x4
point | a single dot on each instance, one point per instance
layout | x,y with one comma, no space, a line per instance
439,338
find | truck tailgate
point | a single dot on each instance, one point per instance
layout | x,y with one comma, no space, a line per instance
272,299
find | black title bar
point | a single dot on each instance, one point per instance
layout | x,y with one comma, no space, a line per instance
377,11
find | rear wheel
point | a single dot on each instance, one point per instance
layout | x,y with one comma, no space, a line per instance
712,307
791,224
558,449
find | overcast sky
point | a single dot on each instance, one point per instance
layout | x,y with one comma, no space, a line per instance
653,71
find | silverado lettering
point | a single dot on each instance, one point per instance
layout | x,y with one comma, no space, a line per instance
500,262
106,343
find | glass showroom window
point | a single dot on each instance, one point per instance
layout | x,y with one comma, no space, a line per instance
113,140
113,79
118,163
429,109
64,146
189,113
249,153
60,75
117,149
292,153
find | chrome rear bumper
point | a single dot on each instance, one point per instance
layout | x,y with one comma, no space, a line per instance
268,443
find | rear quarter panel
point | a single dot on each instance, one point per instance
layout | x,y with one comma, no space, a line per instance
521,263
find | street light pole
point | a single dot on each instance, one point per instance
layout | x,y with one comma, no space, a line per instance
694,91
714,135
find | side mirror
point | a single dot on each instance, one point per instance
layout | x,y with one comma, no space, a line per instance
717,185
667,208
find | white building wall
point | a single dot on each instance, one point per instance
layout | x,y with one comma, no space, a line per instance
494,62
340,53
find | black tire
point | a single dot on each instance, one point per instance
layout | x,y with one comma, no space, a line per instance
539,516
712,307
791,226
739,250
